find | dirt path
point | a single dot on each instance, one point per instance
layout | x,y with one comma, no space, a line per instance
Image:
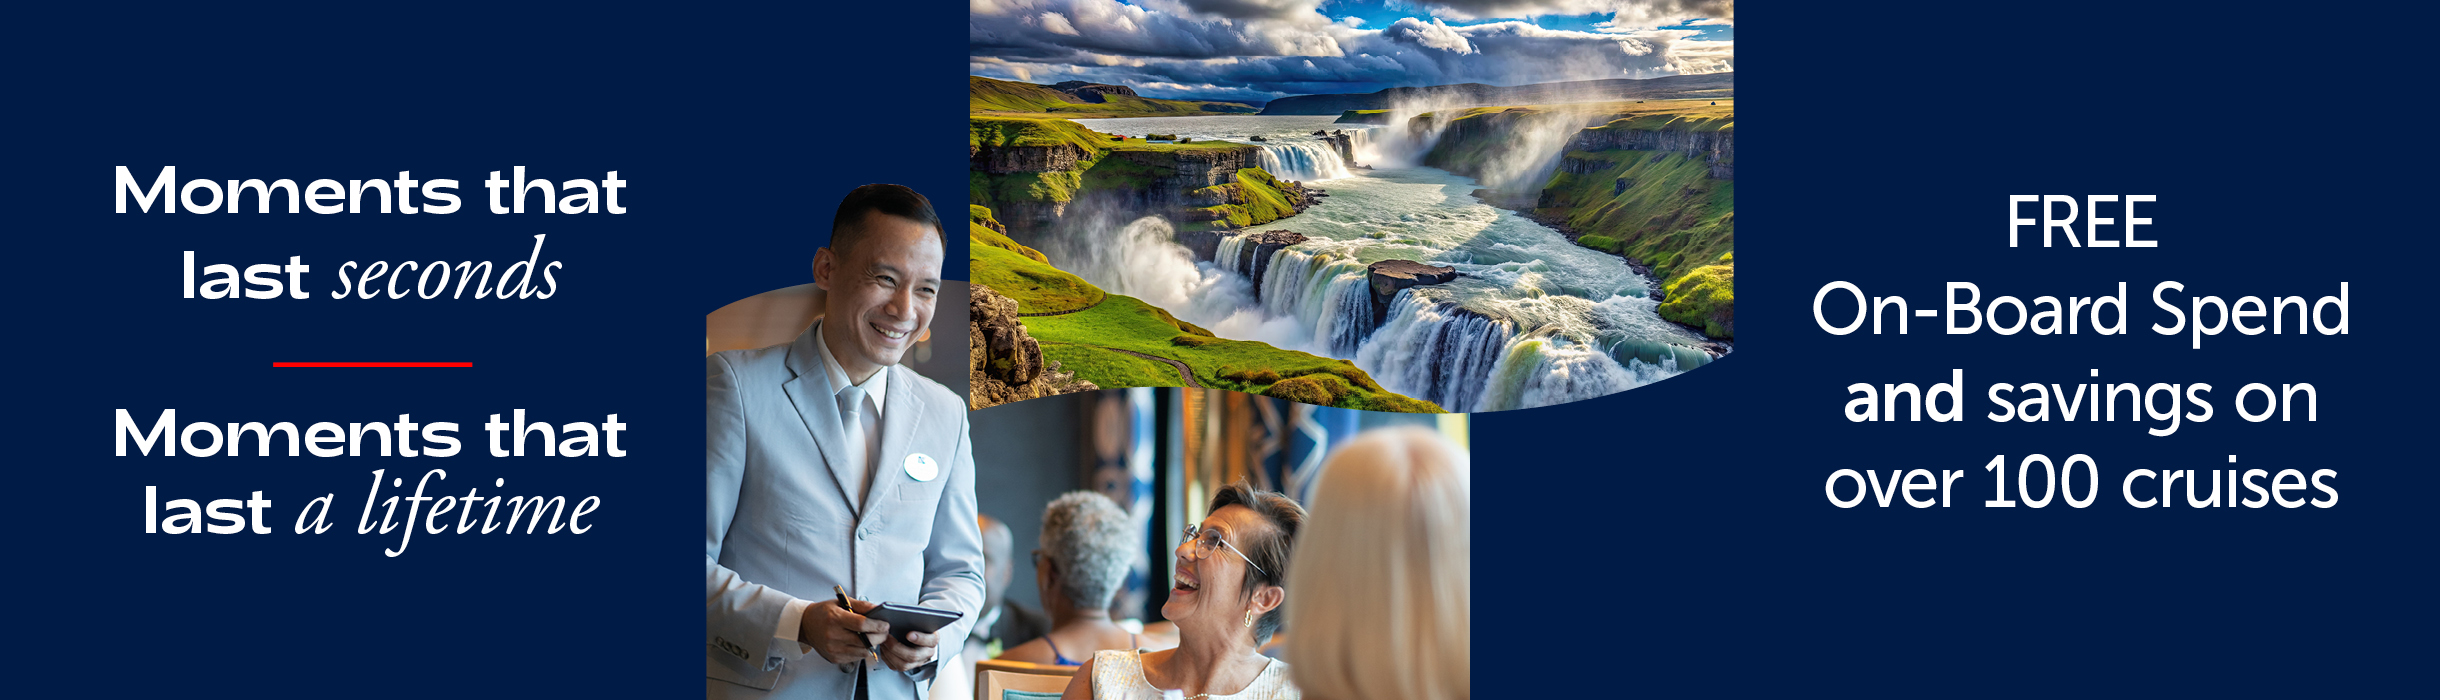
1183,370
1087,307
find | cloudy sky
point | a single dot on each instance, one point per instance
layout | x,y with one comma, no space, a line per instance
1266,49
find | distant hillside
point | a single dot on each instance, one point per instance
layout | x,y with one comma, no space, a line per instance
1714,85
1079,99
1257,104
1093,93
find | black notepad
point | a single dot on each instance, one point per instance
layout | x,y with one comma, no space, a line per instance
910,618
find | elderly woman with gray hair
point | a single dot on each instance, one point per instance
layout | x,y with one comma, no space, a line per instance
1087,544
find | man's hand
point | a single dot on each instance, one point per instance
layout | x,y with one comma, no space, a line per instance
840,636
908,654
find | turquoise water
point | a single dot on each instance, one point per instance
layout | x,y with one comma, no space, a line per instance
1533,320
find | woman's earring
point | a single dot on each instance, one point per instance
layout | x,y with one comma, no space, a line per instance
1249,618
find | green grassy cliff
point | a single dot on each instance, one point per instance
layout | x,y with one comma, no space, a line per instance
1092,333
1660,208
1473,136
984,131
1029,170
1257,197
987,231
1364,116
1653,182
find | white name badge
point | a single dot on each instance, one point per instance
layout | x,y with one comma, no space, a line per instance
921,467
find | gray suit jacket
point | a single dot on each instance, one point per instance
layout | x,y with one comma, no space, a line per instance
780,523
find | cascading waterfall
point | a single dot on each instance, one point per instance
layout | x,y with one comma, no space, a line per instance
1533,320
1302,160
1555,370
1436,351
1230,250
1326,293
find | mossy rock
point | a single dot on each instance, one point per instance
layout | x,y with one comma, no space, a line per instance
1396,403
1317,389
1259,376
1344,370
1705,298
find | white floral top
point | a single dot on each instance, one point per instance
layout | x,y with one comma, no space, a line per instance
1119,675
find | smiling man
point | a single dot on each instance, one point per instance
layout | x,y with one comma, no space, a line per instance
831,468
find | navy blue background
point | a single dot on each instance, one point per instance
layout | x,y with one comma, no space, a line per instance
738,131
1690,511
1694,508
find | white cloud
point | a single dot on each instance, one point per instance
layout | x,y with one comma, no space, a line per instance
1056,23
1434,36
980,65
1252,9
1641,14
1286,47
1109,60
1156,28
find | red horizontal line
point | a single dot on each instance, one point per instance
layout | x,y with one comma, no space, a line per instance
372,364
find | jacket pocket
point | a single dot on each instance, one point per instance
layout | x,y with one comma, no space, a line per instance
917,492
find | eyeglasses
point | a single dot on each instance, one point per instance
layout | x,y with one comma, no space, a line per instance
1204,540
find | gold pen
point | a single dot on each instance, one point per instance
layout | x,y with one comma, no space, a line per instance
842,591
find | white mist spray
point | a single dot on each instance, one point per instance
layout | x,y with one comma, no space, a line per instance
1529,152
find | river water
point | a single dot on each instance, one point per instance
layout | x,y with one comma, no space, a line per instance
1533,320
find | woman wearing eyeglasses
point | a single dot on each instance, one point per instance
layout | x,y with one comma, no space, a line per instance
1225,601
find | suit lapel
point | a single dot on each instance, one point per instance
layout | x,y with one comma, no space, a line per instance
898,425
817,404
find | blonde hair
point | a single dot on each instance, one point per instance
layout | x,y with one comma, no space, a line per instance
1380,577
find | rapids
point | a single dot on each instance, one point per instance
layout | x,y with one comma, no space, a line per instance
1532,320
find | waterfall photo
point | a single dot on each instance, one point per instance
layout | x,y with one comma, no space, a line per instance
1384,206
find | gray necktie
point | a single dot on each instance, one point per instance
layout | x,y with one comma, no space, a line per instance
851,410
851,426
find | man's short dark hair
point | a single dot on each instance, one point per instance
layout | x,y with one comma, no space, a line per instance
846,229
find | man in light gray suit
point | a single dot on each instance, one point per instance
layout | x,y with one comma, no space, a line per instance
830,465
